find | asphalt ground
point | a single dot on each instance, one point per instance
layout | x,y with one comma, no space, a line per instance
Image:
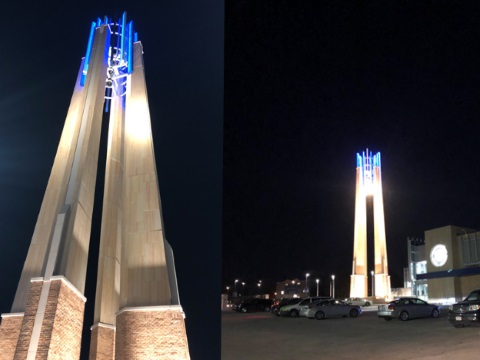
260,335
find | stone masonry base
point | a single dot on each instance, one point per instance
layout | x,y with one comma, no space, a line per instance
9,331
61,330
156,332
102,342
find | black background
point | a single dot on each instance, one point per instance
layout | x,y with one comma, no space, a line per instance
308,84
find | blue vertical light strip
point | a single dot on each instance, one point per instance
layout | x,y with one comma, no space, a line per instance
99,22
105,20
135,38
88,54
122,39
130,47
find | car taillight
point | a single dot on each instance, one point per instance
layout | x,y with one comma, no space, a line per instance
391,307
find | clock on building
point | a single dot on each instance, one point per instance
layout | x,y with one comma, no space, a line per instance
439,255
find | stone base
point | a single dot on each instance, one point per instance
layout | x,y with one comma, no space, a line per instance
358,286
9,332
102,342
156,332
61,315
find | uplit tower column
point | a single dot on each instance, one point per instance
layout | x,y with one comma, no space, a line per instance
369,183
49,302
137,309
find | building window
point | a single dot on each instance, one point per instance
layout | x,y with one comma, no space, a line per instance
471,249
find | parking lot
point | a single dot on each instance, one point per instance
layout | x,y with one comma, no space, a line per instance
265,336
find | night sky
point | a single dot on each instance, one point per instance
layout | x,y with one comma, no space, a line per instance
309,84
42,44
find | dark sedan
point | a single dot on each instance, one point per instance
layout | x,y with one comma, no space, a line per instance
285,301
250,305
407,308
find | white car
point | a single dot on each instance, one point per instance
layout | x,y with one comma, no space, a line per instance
358,301
299,309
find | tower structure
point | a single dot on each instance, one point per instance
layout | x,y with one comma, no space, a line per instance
369,183
137,308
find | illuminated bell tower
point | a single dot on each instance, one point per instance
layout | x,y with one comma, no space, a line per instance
137,309
369,183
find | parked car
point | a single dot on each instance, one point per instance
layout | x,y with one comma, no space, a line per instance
332,308
357,301
406,308
466,312
304,308
250,305
293,310
283,302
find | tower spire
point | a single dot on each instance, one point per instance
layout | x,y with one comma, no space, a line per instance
369,183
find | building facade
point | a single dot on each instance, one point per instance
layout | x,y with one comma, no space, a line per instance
291,289
417,265
453,263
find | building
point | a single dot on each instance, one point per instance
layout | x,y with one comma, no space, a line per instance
137,307
452,262
369,184
291,289
417,265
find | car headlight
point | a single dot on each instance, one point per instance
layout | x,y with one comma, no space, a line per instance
473,307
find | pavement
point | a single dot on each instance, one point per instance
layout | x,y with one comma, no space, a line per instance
254,336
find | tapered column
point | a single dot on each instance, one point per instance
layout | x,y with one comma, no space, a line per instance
382,279
358,282
61,237
102,345
144,271
146,320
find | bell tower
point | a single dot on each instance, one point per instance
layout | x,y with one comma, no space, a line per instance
369,183
137,306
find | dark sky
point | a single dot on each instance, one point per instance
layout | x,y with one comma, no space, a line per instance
42,44
309,84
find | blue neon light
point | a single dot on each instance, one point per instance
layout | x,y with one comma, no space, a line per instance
88,54
99,22
122,40
130,45
135,38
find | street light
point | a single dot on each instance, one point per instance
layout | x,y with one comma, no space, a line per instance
318,281
333,287
235,295
306,282
373,288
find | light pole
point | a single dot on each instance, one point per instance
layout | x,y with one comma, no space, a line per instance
373,288
306,282
333,286
235,294
243,288
318,281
